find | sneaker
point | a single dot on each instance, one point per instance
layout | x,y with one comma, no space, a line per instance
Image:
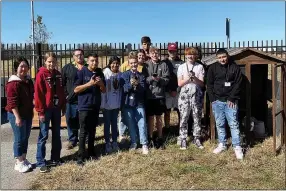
219,148
133,147
183,144
122,139
179,141
151,143
108,148
21,167
198,143
55,163
145,150
115,147
238,152
80,162
70,146
44,169
28,163
160,143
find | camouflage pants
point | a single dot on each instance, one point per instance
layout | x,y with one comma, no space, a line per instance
190,103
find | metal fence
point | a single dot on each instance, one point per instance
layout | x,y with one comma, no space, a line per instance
64,52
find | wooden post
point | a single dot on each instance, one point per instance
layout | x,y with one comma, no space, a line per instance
248,99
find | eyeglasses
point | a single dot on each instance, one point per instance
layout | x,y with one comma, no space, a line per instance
78,55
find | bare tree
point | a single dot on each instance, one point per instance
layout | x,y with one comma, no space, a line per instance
41,34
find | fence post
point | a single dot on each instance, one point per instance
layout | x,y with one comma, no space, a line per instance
123,51
39,55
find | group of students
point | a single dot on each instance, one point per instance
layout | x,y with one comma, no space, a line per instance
139,92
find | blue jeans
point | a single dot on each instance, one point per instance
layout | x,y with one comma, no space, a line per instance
21,135
221,112
72,122
135,117
122,124
110,118
53,115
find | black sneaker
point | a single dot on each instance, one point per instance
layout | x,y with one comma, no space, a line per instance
151,143
198,143
44,169
160,144
80,162
183,144
55,163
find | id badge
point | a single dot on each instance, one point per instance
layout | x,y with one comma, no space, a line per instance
227,84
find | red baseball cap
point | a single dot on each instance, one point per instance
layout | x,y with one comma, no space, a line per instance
172,47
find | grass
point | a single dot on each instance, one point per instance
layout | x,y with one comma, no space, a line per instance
171,169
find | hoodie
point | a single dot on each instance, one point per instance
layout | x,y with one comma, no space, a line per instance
156,89
20,95
111,99
46,89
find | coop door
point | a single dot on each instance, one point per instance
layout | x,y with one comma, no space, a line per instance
278,107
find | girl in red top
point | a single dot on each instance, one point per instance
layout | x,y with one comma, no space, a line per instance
20,91
49,103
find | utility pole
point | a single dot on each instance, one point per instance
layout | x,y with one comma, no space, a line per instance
33,40
227,32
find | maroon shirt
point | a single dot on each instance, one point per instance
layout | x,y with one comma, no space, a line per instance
20,95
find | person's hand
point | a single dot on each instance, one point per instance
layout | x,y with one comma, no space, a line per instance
133,82
155,78
173,93
231,105
42,119
92,81
98,81
18,122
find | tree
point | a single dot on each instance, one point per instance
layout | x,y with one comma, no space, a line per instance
41,34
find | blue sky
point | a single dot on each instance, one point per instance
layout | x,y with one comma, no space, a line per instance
110,22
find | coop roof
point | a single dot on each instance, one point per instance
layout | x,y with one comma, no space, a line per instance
235,51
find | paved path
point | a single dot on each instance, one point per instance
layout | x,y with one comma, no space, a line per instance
11,179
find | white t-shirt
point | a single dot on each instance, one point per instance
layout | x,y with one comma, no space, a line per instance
184,70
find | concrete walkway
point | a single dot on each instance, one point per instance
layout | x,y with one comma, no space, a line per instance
11,179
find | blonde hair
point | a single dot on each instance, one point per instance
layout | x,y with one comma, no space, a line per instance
133,55
50,54
153,49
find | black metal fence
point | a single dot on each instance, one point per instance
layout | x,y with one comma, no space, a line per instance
64,52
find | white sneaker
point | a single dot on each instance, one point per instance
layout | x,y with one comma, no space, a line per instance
219,148
115,146
21,167
238,152
28,163
145,150
133,147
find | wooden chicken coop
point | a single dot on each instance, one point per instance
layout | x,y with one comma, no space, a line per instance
258,90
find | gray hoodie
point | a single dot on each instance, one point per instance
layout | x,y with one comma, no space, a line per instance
156,89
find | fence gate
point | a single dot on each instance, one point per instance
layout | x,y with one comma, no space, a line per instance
279,105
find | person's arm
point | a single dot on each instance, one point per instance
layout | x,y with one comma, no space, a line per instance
180,76
13,101
201,75
125,83
164,79
79,86
40,98
101,83
210,84
236,88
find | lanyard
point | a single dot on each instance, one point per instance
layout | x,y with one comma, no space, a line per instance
156,68
192,67
226,75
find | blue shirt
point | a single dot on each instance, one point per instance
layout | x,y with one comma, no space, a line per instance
132,97
90,98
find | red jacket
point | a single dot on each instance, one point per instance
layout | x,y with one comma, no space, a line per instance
45,90
20,95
